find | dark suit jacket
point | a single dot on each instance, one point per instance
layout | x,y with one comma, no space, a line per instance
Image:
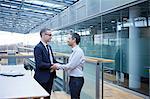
43,64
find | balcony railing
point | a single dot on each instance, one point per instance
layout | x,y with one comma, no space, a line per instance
94,73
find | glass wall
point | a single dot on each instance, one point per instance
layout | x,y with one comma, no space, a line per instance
122,36
126,40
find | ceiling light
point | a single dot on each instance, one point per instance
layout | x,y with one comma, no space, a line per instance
112,21
91,26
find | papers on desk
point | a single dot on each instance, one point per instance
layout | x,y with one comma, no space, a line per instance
11,73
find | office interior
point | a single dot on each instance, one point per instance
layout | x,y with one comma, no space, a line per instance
115,37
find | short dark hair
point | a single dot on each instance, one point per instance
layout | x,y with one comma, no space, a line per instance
76,36
44,30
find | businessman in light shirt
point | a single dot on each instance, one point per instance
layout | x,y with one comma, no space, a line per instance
74,66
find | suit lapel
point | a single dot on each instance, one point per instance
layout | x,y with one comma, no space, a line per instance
44,49
46,52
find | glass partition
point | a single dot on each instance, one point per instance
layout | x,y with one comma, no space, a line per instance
89,88
126,40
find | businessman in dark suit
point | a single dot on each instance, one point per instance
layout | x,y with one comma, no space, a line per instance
44,59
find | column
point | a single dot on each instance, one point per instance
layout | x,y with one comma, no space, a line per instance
134,49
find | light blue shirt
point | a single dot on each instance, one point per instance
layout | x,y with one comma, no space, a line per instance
75,63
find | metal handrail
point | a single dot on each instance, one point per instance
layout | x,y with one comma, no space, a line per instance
88,59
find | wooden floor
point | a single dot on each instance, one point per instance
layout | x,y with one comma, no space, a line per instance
60,95
110,92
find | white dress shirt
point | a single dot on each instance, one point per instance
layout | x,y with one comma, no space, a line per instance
50,54
75,63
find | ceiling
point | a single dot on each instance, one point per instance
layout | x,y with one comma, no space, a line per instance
21,16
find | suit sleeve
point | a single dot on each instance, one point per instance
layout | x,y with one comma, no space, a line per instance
39,59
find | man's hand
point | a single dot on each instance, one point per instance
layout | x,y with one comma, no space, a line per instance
54,67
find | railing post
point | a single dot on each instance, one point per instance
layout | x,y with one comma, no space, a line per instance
65,77
149,81
102,80
97,81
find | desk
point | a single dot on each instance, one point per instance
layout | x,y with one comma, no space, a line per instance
20,86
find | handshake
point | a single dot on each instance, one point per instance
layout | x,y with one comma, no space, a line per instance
54,67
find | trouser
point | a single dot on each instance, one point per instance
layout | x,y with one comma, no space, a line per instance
48,86
75,85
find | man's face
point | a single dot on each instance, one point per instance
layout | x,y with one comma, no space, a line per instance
47,36
70,40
